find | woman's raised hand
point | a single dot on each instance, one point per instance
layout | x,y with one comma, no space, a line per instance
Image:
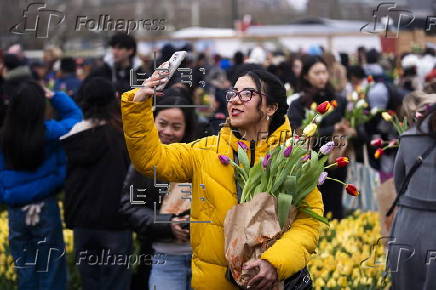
158,77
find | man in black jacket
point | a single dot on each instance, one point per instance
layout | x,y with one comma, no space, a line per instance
123,60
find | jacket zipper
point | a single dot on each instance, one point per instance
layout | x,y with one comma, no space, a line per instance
252,152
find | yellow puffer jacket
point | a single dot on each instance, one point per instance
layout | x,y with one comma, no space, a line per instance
213,193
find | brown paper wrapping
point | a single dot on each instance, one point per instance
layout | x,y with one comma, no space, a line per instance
386,194
249,229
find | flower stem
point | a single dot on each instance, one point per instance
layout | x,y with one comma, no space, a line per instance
337,180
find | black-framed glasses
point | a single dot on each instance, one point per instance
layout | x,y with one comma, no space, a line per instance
245,95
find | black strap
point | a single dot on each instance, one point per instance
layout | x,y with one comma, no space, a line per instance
409,175
238,188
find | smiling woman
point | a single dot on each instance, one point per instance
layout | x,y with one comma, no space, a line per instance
259,108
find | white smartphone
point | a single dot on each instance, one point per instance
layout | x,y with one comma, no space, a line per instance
174,63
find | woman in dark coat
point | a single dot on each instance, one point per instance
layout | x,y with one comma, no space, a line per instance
412,249
315,87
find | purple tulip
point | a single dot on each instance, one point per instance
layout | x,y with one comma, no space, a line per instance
322,178
287,152
305,157
327,148
266,161
224,159
242,145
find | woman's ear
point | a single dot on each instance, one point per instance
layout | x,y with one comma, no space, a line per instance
271,109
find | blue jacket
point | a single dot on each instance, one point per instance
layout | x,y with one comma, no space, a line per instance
23,187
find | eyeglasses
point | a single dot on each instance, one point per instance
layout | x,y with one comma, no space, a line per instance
245,95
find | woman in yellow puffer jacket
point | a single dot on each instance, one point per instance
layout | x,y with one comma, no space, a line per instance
257,117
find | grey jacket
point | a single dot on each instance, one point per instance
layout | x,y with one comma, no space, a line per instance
412,144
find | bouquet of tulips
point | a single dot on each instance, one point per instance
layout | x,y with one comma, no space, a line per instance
391,117
273,192
357,112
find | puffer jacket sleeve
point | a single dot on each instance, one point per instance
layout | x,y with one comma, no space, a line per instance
173,163
69,114
292,251
37,188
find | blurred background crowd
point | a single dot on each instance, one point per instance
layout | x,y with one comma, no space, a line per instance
75,171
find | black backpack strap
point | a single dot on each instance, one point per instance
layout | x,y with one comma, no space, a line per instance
409,175
238,188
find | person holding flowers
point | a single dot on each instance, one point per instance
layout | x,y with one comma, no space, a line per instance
257,123
316,89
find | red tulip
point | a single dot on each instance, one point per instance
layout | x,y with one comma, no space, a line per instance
370,79
377,142
342,161
323,107
352,190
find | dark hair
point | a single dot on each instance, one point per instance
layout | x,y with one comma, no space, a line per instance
11,61
68,65
309,93
238,58
22,139
123,40
372,56
98,101
430,113
275,93
356,71
173,97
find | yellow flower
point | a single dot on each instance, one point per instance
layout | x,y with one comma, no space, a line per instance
310,129
386,116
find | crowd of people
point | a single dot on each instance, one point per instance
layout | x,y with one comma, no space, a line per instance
69,127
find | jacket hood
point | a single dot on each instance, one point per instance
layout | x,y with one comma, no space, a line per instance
21,71
264,143
85,144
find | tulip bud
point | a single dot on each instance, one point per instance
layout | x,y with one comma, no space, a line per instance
342,161
377,142
352,190
379,152
310,129
266,161
370,79
323,107
242,145
334,103
224,159
386,116
287,152
327,148
393,142
305,157
322,178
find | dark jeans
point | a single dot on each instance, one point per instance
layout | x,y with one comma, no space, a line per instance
103,258
38,251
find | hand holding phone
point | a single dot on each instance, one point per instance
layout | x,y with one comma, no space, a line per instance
174,62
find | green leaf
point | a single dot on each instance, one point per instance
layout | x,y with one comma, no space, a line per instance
284,203
314,215
290,184
243,159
